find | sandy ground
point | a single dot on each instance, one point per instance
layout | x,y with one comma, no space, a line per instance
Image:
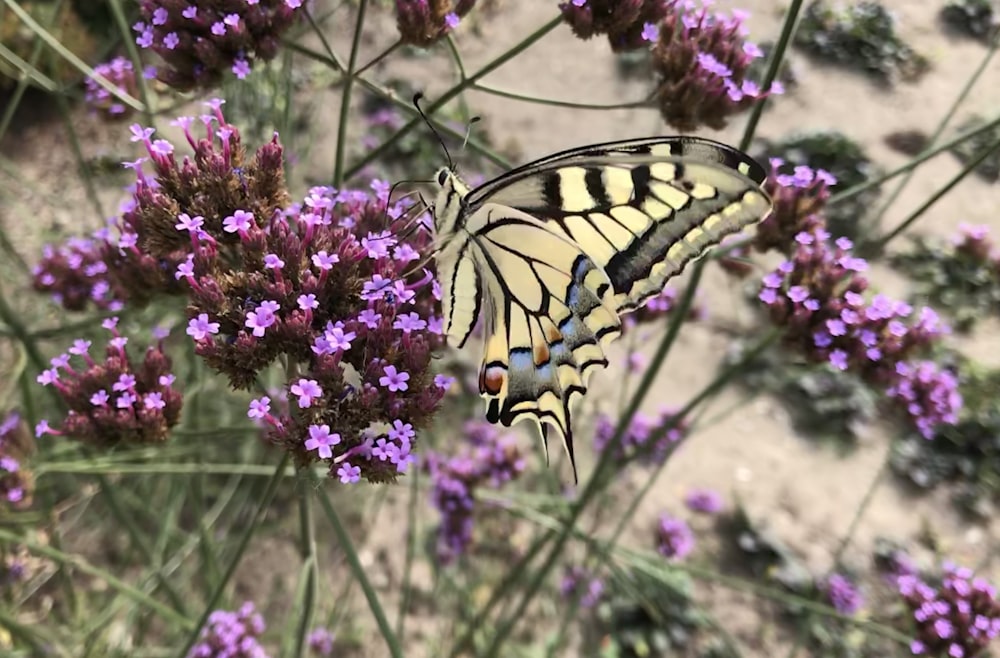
804,490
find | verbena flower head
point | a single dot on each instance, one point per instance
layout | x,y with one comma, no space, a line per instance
16,480
76,275
818,298
928,394
200,41
701,59
231,635
958,617
843,594
121,74
640,439
115,400
628,24
491,459
581,585
423,22
974,242
674,539
660,306
799,193
704,501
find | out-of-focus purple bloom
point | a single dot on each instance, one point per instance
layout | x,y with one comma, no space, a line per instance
628,24
423,22
580,584
843,594
637,441
231,635
705,501
674,539
120,74
490,459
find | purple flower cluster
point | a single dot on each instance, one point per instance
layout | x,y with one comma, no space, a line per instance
76,275
423,22
491,459
702,60
843,594
199,41
674,539
704,501
121,74
16,481
231,635
578,583
929,395
958,618
817,297
974,242
114,401
629,24
636,444
798,194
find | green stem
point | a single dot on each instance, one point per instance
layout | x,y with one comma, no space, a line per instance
851,192
879,245
412,532
133,53
354,562
22,85
265,503
773,66
307,548
940,128
378,58
528,41
558,103
345,98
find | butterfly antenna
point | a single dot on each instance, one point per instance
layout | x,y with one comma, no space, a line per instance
416,103
468,131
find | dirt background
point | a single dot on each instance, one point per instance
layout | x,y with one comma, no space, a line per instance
805,491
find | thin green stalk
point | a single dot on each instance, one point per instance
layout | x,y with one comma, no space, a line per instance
307,548
851,192
773,66
412,533
970,83
496,63
22,85
863,507
381,56
345,98
53,43
344,539
879,245
234,562
82,565
149,112
85,171
646,102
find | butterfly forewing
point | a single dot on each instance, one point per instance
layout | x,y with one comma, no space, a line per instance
553,251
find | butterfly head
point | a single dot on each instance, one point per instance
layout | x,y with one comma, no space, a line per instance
449,201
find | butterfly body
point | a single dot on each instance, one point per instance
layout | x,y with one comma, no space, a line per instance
551,253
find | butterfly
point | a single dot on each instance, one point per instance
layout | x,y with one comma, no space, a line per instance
552,253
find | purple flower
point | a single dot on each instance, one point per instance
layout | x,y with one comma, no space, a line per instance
262,318
320,439
306,390
393,380
200,328
231,635
321,642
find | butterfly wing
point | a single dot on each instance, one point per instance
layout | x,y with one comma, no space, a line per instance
556,249
546,322
641,209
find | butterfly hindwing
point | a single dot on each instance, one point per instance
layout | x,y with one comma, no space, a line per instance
547,324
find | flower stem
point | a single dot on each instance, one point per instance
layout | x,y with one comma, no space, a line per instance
345,98
234,562
773,66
